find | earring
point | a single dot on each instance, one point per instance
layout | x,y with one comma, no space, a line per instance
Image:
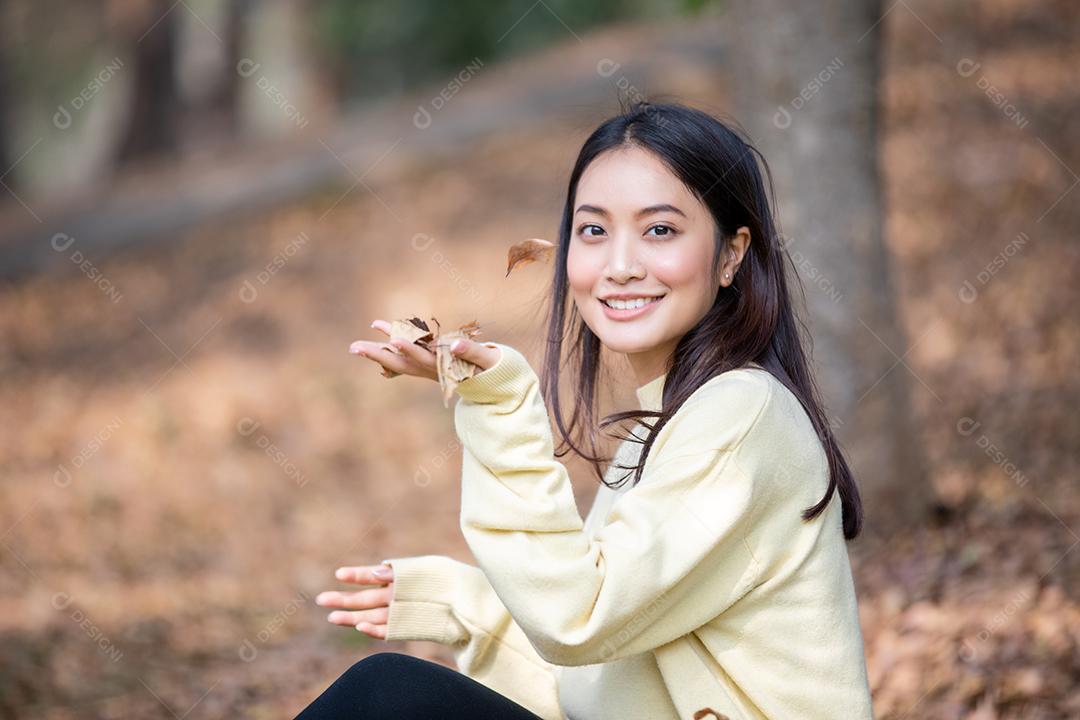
727,275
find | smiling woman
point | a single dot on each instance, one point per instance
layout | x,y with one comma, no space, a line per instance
634,265
717,583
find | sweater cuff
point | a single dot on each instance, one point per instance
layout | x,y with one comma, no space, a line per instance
421,607
508,378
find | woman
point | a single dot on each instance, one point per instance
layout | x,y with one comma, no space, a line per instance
711,576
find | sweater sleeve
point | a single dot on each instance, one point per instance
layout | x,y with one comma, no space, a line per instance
672,554
442,600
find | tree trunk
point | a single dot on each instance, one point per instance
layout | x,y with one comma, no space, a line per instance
7,90
805,81
153,119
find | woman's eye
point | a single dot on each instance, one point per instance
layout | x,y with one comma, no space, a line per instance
584,228
668,230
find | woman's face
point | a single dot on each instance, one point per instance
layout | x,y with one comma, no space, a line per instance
638,232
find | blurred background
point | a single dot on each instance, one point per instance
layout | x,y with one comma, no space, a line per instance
203,202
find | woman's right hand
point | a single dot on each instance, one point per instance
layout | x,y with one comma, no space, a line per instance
366,610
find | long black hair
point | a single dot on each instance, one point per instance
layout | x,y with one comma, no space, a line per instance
750,320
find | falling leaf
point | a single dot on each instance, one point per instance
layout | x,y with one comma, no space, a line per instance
527,251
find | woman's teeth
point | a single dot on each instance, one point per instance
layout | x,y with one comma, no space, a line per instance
630,304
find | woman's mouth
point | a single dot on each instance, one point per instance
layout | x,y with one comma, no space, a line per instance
629,309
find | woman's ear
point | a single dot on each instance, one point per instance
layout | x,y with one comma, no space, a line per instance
733,255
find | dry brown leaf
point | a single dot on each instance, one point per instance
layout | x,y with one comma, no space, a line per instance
451,370
527,251
411,330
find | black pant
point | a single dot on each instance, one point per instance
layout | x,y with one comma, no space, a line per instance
395,686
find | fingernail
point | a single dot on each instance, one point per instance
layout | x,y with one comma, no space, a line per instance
383,573
355,348
372,323
457,345
341,573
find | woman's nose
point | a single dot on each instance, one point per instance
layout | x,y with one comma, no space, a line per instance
624,261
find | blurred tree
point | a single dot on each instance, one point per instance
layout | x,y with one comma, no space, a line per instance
805,77
45,65
211,39
152,126
7,88
226,100
5,121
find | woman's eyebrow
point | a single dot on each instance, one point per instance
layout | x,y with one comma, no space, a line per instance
652,209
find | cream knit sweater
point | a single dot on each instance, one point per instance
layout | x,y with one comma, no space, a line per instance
699,588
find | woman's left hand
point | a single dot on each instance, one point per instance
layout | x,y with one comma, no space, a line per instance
414,359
